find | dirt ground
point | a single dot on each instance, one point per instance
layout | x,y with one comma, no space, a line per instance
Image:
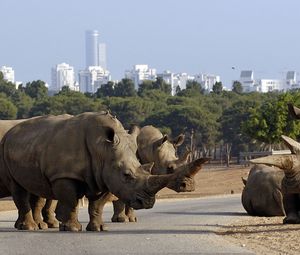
262,235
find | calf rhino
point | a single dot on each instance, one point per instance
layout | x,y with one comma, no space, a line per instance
290,164
262,195
155,147
64,158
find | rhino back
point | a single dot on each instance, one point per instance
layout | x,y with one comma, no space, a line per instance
262,194
6,125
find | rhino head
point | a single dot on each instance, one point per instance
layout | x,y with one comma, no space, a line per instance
117,167
289,163
164,154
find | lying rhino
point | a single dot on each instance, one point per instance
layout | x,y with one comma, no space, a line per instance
290,164
155,147
262,195
65,158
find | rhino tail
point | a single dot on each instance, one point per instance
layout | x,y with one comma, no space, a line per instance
244,180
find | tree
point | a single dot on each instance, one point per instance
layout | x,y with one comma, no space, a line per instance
268,122
106,90
36,89
23,102
7,109
237,87
217,88
125,88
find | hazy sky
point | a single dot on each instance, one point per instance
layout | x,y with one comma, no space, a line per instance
190,36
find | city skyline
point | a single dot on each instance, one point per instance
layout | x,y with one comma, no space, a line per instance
191,36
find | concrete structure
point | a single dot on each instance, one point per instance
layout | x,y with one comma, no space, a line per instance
95,52
92,78
63,75
269,85
139,73
247,81
207,81
8,73
291,81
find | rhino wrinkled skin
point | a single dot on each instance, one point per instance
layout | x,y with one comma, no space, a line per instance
67,157
262,195
290,185
155,147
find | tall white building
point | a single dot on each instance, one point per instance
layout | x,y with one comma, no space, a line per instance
63,75
8,73
207,81
92,78
139,73
95,52
247,81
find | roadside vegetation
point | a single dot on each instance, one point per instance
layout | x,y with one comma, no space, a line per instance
223,122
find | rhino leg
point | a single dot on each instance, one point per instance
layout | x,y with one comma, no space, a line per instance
119,212
37,204
95,209
291,207
129,211
48,213
67,192
21,199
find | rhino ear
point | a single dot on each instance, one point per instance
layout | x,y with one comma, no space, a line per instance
134,130
178,140
148,167
110,135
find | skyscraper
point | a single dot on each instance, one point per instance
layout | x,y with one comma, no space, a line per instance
63,75
95,52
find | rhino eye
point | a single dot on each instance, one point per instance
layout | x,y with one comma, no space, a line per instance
128,176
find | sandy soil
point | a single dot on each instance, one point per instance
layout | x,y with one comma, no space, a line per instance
263,235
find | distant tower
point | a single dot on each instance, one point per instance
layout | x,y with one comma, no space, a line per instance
91,48
102,55
95,52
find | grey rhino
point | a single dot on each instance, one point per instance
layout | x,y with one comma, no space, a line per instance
262,195
155,147
39,205
290,164
64,158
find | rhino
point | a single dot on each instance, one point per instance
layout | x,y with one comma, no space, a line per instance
290,185
66,157
262,195
155,147
43,210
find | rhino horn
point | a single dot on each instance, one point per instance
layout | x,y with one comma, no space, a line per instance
294,111
287,163
192,168
291,144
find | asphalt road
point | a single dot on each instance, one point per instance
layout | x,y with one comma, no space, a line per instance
171,227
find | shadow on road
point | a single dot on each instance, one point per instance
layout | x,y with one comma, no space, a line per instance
208,213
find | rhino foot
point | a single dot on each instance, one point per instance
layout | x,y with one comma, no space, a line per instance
119,218
52,223
73,227
132,219
96,227
28,226
291,219
42,225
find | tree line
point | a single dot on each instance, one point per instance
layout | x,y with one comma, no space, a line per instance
220,121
